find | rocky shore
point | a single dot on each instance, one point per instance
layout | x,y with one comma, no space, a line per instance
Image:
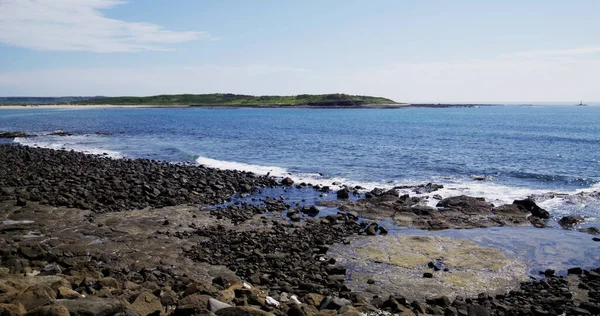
90,235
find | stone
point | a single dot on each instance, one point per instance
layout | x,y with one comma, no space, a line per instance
477,310
64,292
334,303
146,304
194,304
575,270
35,296
215,305
51,310
529,205
93,306
241,311
12,309
343,194
570,221
287,181
33,252
109,283
295,310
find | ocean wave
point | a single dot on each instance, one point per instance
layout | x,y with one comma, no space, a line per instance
68,143
241,166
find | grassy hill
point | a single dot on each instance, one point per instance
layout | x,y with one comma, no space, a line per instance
220,99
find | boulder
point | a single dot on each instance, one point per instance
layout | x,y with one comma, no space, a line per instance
35,296
241,311
92,306
529,205
50,310
287,181
334,303
343,194
215,305
465,204
195,304
12,309
146,303
570,221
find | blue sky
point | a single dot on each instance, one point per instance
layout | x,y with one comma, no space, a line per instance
412,51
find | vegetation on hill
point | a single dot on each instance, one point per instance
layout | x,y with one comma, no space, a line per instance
40,100
227,99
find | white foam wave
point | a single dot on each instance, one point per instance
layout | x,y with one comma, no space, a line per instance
232,165
68,143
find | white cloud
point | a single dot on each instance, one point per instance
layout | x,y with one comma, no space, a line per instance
79,25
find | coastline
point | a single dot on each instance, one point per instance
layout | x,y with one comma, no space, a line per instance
192,249
261,106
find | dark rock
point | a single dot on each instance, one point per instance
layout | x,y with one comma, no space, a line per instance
343,194
334,303
13,134
195,304
428,275
295,310
371,230
287,181
575,270
32,252
442,301
50,310
241,311
570,221
529,205
465,204
478,310
590,230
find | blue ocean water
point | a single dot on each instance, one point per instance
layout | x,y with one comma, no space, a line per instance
522,150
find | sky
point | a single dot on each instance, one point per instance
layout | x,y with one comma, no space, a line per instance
406,50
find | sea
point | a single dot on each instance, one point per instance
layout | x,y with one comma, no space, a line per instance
500,153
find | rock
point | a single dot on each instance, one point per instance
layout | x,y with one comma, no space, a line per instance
295,310
287,181
477,310
311,211
371,230
12,309
570,221
334,303
343,194
13,134
241,311
35,296
215,305
575,270
51,310
109,283
195,304
33,252
93,306
428,275
529,205
590,230
146,304
466,204
64,292
21,202
442,301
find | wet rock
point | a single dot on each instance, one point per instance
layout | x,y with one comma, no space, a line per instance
590,230
287,181
466,204
343,194
534,209
570,221
13,134
575,270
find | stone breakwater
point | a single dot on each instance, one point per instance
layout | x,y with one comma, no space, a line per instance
138,256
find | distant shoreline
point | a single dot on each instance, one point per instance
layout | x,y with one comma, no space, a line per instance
261,106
